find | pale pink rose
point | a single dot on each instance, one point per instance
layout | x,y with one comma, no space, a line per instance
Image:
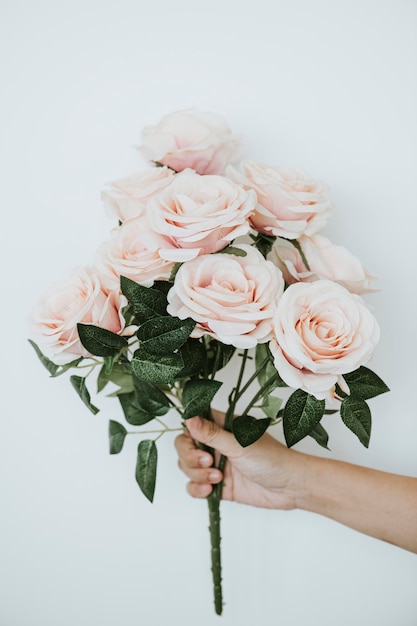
79,299
233,298
290,203
321,331
127,197
191,139
324,259
133,251
199,214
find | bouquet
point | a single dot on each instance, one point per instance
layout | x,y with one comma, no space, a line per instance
210,260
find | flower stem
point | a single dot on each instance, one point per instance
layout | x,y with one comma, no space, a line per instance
215,541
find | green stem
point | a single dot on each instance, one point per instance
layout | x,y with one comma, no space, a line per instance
215,542
252,378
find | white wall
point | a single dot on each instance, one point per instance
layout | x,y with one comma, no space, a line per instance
328,86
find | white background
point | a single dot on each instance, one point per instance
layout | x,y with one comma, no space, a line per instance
327,86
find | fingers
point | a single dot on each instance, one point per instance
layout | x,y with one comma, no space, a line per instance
209,433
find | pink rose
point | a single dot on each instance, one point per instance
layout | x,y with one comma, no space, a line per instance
127,197
191,139
79,299
233,298
199,214
132,252
290,203
325,260
321,331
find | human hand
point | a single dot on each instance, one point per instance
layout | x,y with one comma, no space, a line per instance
265,474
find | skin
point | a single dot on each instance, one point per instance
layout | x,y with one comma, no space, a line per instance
269,475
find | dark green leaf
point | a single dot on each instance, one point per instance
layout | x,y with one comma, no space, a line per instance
263,243
133,412
320,435
163,286
117,434
197,396
194,356
146,467
247,429
78,382
154,369
218,354
150,398
364,383
271,406
163,335
120,375
356,415
148,303
100,341
302,413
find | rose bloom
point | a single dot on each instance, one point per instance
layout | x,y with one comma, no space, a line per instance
132,252
321,331
191,139
199,214
233,298
290,203
79,299
128,196
325,260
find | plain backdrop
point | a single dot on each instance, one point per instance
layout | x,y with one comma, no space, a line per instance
326,86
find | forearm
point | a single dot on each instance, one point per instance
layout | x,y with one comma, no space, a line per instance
376,503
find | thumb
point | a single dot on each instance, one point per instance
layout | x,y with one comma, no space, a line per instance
207,432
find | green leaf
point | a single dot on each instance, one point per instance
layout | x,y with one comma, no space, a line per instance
54,369
218,354
133,412
164,335
302,413
364,383
194,356
79,384
247,429
263,243
233,250
100,341
163,286
154,369
320,435
271,406
356,415
146,467
120,375
117,434
197,396
150,398
263,352
148,303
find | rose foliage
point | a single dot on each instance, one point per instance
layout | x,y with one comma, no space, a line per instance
214,268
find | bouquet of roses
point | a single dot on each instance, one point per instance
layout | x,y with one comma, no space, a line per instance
208,260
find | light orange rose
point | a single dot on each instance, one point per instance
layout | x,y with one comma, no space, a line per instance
233,298
191,139
199,214
290,203
133,251
324,259
79,299
321,331
127,197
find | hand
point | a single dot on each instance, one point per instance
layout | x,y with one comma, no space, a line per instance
265,474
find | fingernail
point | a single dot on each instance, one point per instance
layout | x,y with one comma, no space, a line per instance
205,461
214,476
